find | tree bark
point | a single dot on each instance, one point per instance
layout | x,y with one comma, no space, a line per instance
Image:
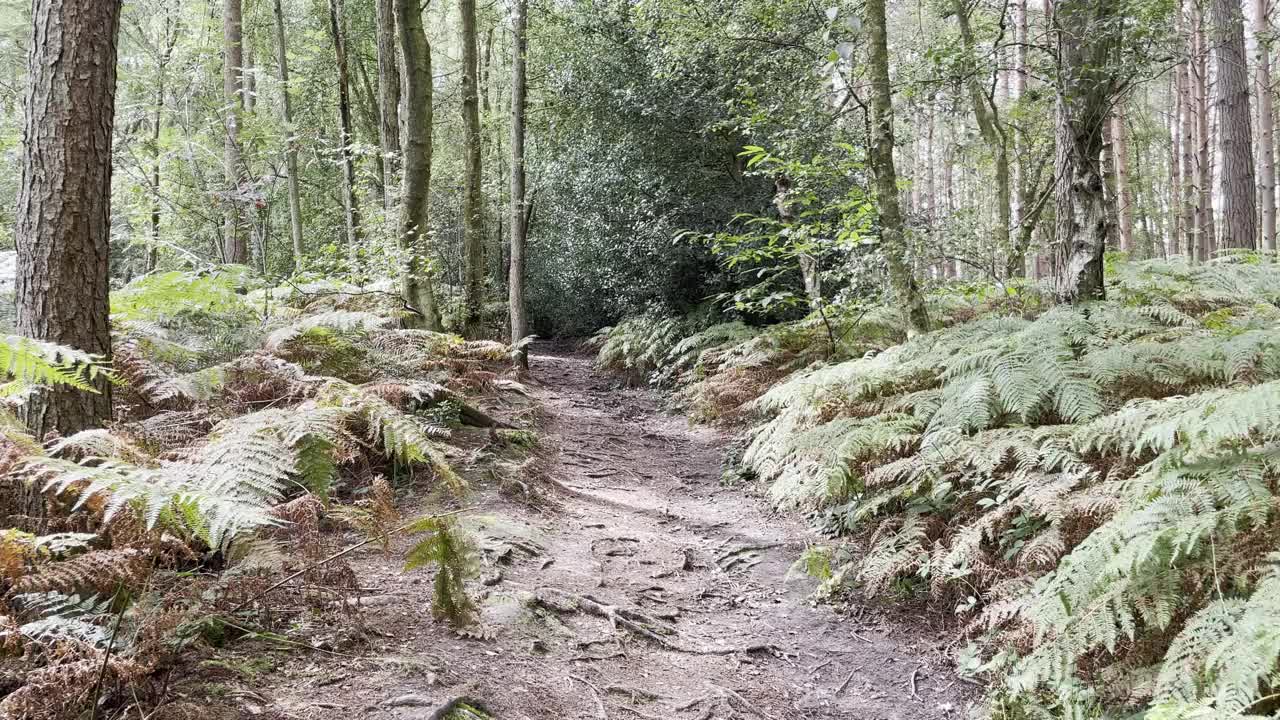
1174,223
415,279
291,144
235,248
1266,124
350,206
64,200
472,203
1124,191
1205,225
1235,129
892,237
519,230
388,101
1085,86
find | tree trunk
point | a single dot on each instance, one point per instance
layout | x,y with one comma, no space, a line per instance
1174,223
291,146
415,279
64,200
519,230
472,203
235,248
986,112
1124,192
1266,124
350,207
1190,175
388,100
157,123
1085,87
1235,129
1205,230
892,238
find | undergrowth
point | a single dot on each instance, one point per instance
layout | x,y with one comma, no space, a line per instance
1092,488
248,419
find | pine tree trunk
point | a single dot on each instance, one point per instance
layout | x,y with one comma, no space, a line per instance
64,200
1124,193
235,248
291,146
472,203
415,279
350,206
388,101
1235,131
892,237
1085,86
519,229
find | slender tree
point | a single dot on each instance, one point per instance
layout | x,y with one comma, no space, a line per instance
1086,82
892,235
987,113
291,142
64,198
415,278
519,206
1123,184
165,55
1266,122
388,100
235,248
472,202
350,206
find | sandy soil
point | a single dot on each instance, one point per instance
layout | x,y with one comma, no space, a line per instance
693,619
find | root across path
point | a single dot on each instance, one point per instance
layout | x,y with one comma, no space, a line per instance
642,587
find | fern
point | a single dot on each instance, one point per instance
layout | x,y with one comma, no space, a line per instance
446,548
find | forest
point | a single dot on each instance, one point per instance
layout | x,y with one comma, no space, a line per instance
658,359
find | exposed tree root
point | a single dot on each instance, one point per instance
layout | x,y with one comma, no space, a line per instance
722,697
595,691
638,623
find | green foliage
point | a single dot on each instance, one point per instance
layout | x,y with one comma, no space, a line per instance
445,547
1102,478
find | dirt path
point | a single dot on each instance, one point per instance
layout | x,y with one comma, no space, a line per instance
643,523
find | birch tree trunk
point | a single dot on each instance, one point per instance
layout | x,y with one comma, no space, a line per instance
415,278
1235,131
1205,230
892,236
63,208
1266,124
1085,86
291,144
472,202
